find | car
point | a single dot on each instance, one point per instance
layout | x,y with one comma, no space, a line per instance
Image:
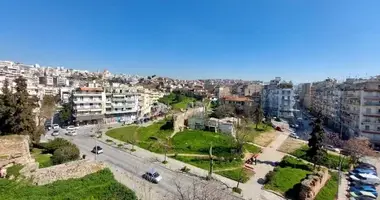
55,132
358,190
363,198
71,128
294,135
369,188
359,170
332,148
366,165
97,150
362,194
152,175
365,178
71,133
279,129
55,126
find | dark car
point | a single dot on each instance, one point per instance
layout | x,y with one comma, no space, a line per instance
152,175
366,165
97,150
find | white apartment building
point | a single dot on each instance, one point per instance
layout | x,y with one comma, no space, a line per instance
121,104
146,98
65,94
89,105
278,99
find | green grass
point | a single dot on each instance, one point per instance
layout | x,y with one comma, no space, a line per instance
100,185
329,191
196,141
286,178
146,136
14,171
331,160
183,104
255,132
243,174
44,160
177,103
252,148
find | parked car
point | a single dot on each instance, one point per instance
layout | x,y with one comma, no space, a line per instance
368,188
294,135
153,176
55,132
363,171
97,150
278,129
55,126
332,148
366,165
357,190
71,133
362,194
365,178
71,128
362,198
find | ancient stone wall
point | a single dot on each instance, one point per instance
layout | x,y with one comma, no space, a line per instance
179,118
313,183
74,169
14,149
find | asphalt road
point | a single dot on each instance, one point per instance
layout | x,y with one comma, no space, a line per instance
132,164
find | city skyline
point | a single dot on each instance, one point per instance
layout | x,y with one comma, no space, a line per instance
302,42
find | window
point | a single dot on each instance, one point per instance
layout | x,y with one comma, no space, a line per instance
378,128
378,87
368,110
91,104
367,128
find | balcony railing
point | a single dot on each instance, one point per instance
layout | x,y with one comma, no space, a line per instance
121,111
372,103
87,101
87,94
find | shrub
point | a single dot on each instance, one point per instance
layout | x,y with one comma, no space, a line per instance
237,190
65,154
55,144
119,145
14,170
109,127
269,176
133,150
185,169
164,162
109,140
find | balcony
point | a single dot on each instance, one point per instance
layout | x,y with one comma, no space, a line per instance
372,97
120,111
87,94
372,114
118,95
88,108
367,121
118,99
86,101
371,131
372,103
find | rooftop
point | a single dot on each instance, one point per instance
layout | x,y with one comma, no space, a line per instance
236,99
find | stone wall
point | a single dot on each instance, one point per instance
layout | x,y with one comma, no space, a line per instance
14,149
179,118
74,169
313,183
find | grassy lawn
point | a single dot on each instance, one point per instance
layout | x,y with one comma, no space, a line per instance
146,136
196,141
14,170
252,148
183,104
260,135
331,161
329,191
44,160
177,101
235,174
220,164
287,177
100,185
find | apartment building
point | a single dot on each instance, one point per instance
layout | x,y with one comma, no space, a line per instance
223,91
121,104
236,100
89,104
305,95
278,99
146,98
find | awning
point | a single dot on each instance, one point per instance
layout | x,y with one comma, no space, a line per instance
89,117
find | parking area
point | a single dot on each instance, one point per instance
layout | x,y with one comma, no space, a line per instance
362,183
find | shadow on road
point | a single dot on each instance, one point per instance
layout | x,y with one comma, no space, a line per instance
271,163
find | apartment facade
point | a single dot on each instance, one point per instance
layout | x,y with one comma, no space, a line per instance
121,104
278,99
89,105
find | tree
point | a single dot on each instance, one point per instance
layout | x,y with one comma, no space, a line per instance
358,148
166,145
7,111
316,151
65,154
98,129
55,144
241,134
258,115
65,114
211,167
224,110
133,139
47,108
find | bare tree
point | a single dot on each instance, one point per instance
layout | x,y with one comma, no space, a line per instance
47,109
167,145
98,129
133,140
242,131
358,148
200,190
211,167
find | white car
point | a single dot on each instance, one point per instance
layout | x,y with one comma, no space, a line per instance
55,126
153,176
71,128
331,148
71,133
366,179
55,132
97,150
294,135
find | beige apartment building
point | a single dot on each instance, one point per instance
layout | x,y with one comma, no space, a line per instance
88,105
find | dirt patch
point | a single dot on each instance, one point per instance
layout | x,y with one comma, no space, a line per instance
290,145
265,139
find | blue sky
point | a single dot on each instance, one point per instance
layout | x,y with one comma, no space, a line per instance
254,40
